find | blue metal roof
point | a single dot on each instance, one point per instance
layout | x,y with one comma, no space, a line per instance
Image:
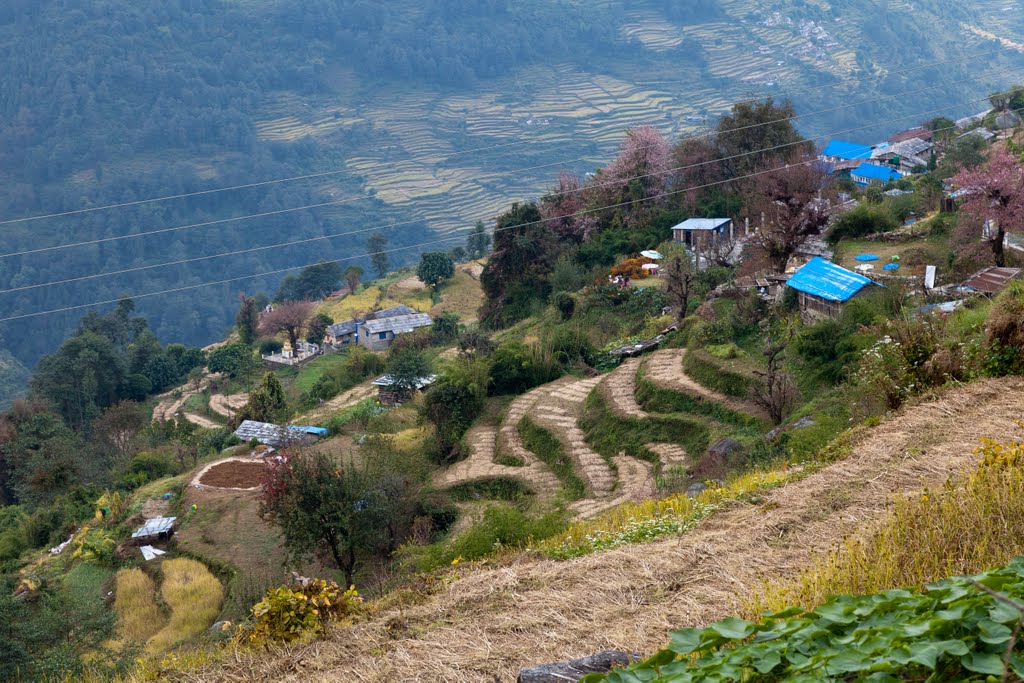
317,431
876,172
846,150
702,224
825,279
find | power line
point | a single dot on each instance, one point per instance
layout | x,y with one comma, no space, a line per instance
414,246
324,174
266,214
319,238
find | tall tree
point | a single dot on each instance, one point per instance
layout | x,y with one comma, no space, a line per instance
314,282
762,132
81,379
118,428
290,317
377,246
789,205
326,505
266,402
434,267
518,271
352,275
564,210
317,328
633,185
479,242
679,278
247,319
994,200
407,367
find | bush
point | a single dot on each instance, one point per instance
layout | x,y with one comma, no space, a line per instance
445,328
516,368
565,304
710,333
287,613
631,268
270,346
865,219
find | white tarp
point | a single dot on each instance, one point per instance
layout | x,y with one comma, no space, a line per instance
149,552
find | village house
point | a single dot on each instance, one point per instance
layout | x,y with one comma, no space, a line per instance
824,288
693,231
377,334
911,134
346,332
840,156
873,174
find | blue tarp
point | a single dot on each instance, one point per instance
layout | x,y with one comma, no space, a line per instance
318,431
825,279
866,257
891,266
848,151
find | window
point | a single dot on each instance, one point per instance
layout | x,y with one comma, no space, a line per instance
382,335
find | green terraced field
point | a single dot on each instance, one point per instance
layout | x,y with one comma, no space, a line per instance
419,158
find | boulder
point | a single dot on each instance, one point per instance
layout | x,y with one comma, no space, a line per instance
723,448
562,672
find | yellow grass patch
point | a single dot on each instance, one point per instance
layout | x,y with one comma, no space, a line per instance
461,295
347,307
194,596
138,615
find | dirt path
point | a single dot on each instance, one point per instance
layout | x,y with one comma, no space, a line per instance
665,369
342,401
203,422
228,405
620,388
496,620
558,411
480,465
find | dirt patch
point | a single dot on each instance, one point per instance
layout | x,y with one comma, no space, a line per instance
409,284
234,474
496,620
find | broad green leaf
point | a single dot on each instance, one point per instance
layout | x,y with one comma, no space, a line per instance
983,663
993,633
1003,613
767,661
836,613
686,640
733,628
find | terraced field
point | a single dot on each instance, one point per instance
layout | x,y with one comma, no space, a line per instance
557,408
452,158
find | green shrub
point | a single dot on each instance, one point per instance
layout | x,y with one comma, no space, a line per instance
702,368
287,613
270,346
516,368
865,219
710,332
565,304
498,488
445,328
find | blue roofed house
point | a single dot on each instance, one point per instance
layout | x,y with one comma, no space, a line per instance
824,288
873,174
838,151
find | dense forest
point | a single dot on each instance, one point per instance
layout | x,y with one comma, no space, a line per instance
105,102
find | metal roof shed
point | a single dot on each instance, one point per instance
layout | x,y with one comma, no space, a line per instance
992,280
824,287
264,432
158,527
846,151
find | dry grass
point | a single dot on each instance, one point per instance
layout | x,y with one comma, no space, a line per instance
346,307
138,615
964,527
497,619
194,596
461,295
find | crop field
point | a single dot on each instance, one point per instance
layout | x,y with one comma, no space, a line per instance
450,158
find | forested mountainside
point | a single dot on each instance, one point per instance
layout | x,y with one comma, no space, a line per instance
110,101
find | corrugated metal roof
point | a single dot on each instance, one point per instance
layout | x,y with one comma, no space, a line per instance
827,280
392,312
846,150
342,328
702,223
315,431
912,134
876,172
398,324
912,147
387,381
155,527
992,280
264,432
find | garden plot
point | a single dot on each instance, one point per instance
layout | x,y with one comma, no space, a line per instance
665,369
234,474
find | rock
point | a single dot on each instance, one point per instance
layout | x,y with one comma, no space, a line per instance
695,489
561,672
725,447
804,422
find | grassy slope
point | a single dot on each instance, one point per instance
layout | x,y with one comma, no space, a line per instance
626,598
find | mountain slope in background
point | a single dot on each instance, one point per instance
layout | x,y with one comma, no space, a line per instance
423,113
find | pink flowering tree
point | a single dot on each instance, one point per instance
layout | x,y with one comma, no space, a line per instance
994,203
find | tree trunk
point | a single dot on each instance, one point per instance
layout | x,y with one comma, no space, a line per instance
293,337
999,248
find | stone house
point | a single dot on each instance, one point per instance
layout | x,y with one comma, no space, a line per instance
824,288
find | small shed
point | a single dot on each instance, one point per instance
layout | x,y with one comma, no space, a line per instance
824,288
839,150
873,174
155,529
991,280
692,231
390,395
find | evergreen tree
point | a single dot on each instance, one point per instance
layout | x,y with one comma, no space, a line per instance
377,247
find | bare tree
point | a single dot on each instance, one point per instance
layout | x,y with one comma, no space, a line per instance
290,317
718,250
777,392
118,427
789,205
680,277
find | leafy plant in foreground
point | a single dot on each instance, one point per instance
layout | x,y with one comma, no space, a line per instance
963,629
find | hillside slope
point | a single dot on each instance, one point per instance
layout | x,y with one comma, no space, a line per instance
493,621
